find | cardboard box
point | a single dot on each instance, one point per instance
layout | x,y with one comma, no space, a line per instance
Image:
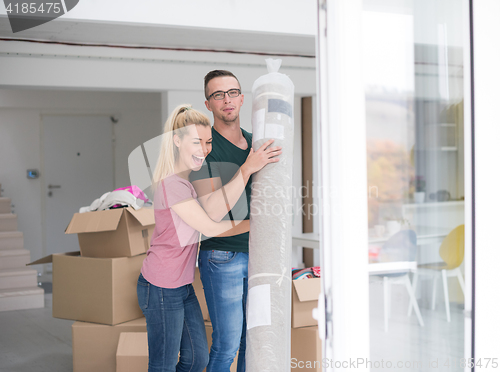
100,348
306,349
132,352
305,293
122,232
94,345
98,290
200,294
209,330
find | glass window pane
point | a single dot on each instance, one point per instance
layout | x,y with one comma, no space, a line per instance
413,70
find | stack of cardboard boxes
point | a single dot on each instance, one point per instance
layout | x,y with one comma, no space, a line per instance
306,345
97,285
306,350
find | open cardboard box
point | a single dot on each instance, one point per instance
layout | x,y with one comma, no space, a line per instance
122,232
98,290
305,293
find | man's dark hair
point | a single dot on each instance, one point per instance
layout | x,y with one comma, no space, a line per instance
218,73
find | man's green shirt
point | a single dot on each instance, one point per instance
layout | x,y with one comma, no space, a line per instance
224,161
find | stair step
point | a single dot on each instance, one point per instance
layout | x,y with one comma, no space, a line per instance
14,258
21,298
5,205
8,222
11,240
18,278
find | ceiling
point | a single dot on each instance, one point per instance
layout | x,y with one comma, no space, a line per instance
161,36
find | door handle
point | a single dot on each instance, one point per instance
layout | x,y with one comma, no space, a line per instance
50,187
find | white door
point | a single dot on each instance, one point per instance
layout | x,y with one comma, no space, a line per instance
77,154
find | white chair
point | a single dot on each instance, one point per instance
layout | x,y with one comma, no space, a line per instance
396,261
452,253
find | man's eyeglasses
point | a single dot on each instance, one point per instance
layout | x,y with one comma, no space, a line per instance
232,93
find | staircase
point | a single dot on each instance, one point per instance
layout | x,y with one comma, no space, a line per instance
18,284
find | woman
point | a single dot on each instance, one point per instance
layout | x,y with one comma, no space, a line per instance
165,293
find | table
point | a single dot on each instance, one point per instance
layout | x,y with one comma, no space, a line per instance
425,235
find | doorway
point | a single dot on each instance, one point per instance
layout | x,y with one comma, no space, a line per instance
78,167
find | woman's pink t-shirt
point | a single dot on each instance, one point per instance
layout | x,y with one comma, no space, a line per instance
171,258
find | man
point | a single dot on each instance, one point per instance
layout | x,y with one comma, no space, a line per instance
223,189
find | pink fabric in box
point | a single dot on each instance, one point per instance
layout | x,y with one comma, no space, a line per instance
136,191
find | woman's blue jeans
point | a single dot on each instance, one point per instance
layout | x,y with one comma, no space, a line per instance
225,281
174,323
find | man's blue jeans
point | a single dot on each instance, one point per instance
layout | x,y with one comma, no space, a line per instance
225,281
174,323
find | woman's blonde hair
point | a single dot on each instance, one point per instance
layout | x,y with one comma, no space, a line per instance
182,116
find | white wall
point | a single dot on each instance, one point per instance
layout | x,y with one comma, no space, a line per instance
281,16
75,67
20,150
139,117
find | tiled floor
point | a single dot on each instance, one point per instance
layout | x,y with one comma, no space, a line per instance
34,341
420,348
